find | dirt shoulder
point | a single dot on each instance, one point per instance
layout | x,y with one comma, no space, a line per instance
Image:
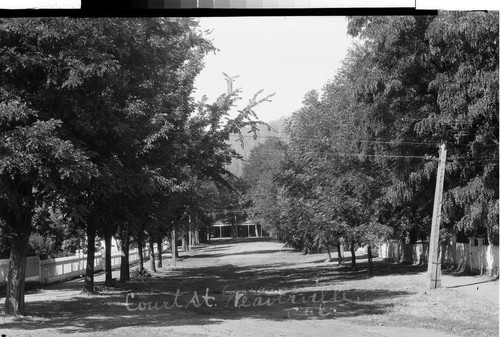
257,288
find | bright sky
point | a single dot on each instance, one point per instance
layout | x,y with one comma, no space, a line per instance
286,55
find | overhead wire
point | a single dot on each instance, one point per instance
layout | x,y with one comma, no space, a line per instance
372,141
343,154
462,159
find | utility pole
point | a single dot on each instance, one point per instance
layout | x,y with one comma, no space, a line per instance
230,80
434,264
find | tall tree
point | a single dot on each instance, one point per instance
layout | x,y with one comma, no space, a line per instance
263,192
110,82
35,163
436,80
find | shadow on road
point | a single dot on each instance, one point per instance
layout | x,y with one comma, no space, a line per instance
271,289
158,306
215,253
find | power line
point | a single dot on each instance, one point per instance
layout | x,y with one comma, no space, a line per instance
372,141
342,154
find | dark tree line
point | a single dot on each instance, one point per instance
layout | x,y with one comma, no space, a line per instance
359,163
97,125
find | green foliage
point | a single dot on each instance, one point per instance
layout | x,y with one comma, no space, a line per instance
97,123
361,161
45,247
441,87
274,129
35,162
264,195
4,244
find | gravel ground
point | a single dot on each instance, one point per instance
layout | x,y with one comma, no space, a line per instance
258,288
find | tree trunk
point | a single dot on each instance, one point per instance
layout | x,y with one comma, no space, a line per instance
490,236
370,260
173,246
124,263
328,254
141,256
234,230
176,250
184,243
159,245
107,259
14,298
353,255
152,264
339,252
20,216
190,235
88,285
195,231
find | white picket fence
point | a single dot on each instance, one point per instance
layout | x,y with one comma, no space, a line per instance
473,256
63,268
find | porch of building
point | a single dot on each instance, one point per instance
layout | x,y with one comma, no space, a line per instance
243,230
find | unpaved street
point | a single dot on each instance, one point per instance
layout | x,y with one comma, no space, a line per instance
258,288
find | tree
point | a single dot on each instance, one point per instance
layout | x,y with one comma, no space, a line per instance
34,163
109,81
262,192
441,87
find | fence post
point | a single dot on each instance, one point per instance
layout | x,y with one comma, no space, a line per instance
454,250
471,244
419,250
480,254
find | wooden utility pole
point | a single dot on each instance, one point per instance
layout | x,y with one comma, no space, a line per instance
434,264
230,80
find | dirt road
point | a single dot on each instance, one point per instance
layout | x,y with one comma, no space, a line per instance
257,288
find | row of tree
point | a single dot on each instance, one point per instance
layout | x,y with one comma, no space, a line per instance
98,129
359,163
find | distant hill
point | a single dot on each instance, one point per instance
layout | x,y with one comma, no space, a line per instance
249,142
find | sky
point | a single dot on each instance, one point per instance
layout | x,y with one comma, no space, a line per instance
288,56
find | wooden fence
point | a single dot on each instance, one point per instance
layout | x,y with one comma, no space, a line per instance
63,268
473,256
